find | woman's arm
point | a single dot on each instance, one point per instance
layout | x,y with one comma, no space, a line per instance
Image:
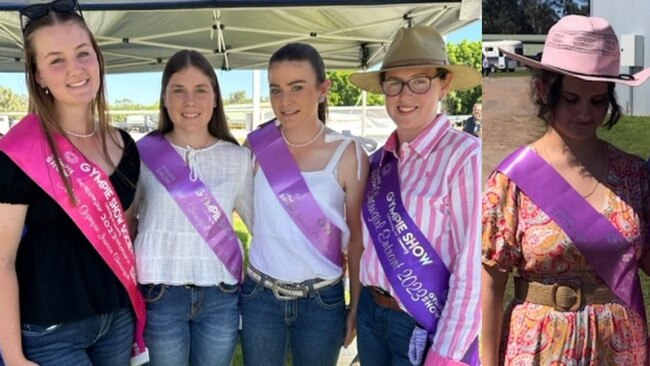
493,284
12,221
354,186
460,319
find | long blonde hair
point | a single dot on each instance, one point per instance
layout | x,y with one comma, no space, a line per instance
43,104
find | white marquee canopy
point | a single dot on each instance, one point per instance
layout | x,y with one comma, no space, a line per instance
140,35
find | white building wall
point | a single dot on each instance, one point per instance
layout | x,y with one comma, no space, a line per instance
629,17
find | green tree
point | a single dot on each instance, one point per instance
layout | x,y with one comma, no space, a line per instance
126,104
466,53
12,102
344,93
238,97
527,16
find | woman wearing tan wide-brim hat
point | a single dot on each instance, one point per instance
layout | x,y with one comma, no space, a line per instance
420,300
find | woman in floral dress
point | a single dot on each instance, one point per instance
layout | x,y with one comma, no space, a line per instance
575,254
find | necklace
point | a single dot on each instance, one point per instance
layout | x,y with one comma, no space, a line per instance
81,135
602,173
322,127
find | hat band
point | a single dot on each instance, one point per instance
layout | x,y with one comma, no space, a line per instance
414,62
613,77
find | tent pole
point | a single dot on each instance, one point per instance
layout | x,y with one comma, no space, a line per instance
255,121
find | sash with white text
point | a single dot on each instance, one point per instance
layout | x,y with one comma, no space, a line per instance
98,214
608,253
285,178
194,199
415,271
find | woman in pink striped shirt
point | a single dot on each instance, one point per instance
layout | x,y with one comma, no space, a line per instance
420,266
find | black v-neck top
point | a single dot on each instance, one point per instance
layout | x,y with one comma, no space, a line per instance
61,277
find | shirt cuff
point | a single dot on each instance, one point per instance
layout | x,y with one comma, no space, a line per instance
435,359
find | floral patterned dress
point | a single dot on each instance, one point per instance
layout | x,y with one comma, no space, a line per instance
518,236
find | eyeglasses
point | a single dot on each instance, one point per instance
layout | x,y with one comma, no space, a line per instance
40,10
418,85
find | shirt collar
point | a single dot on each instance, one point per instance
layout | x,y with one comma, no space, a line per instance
424,142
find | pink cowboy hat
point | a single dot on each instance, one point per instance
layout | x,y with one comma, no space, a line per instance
583,47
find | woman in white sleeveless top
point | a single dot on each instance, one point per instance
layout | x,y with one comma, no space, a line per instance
293,296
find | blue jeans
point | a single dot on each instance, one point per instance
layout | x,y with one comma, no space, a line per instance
104,340
382,334
191,324
312,327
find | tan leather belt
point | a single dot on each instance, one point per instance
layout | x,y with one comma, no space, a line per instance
289,290
564,296
383,298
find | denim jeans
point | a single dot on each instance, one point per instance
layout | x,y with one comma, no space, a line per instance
104,340
191,324
312,327
383,334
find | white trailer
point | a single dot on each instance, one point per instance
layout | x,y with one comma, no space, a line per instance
498,60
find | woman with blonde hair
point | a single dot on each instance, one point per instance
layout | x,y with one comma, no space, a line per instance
67,178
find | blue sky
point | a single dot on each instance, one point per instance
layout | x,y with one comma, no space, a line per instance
147,88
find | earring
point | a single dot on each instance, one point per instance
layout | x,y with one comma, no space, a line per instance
46,90
321,99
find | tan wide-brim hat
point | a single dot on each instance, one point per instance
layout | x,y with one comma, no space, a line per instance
418,46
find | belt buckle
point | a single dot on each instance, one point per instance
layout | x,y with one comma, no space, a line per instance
275,288
575,286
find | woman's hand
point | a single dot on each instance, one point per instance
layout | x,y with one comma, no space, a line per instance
350,327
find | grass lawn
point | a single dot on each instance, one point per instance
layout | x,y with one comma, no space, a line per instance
630,134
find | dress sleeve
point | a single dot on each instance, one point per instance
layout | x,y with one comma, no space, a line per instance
500,219
645,217
15,185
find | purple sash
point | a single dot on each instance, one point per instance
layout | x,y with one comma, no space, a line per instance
194,199
290,188
415,271
606,250
98,213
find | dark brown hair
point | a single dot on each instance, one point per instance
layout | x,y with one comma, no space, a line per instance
304,52
552,81
218,124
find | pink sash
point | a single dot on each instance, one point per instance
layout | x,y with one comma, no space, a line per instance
290,187
98,214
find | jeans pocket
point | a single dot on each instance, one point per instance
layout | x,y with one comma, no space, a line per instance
33,330
229,289
331,297
249,288
152,293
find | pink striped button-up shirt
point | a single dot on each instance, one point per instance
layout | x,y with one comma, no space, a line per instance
440,173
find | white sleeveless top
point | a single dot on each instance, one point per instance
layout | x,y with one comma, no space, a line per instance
168,249
279,249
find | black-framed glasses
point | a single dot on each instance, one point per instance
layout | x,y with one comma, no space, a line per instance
40,10
418,85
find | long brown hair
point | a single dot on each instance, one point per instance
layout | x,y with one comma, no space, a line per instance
43,103
218,124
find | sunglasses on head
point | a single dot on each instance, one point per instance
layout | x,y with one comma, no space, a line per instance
36,11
